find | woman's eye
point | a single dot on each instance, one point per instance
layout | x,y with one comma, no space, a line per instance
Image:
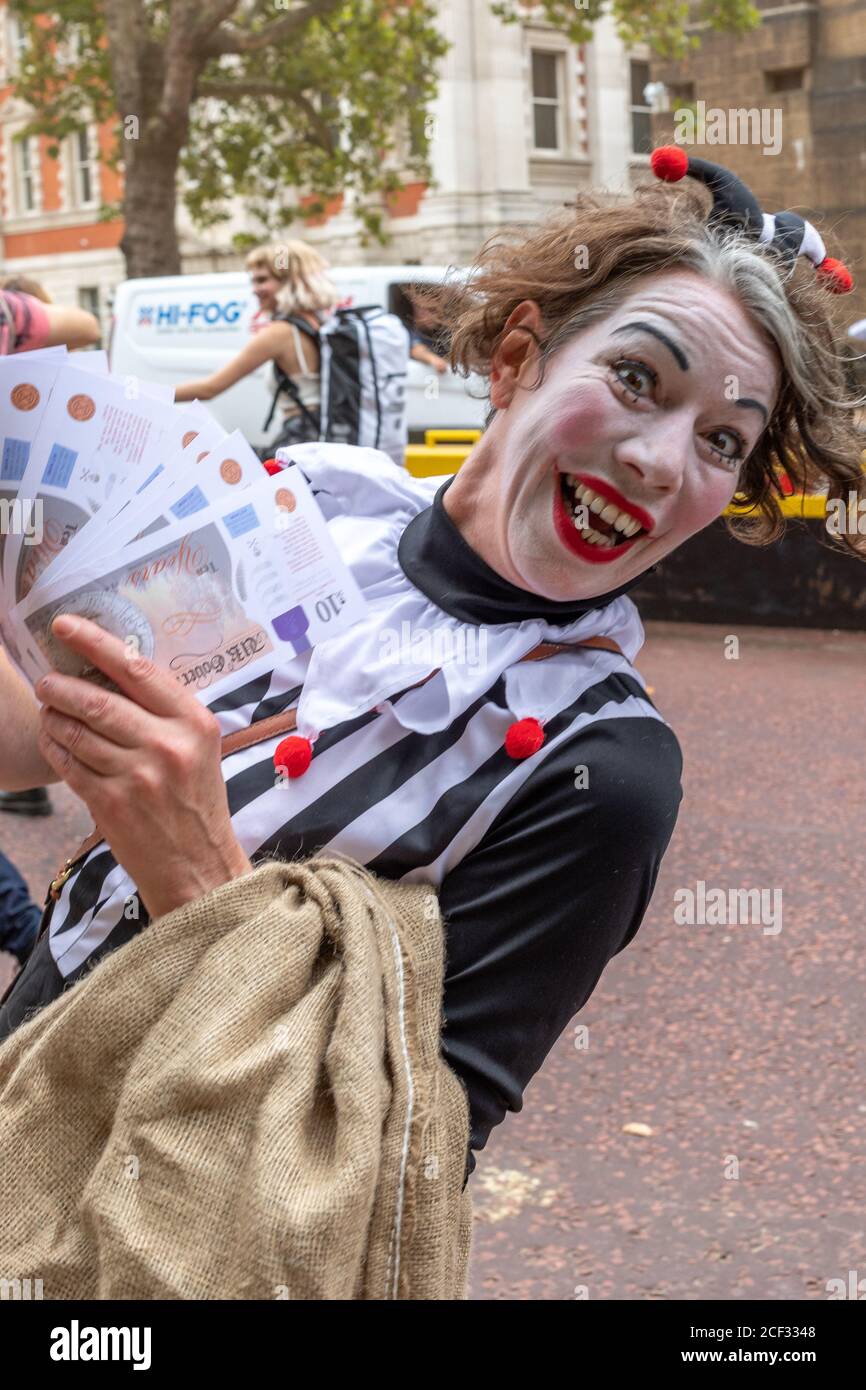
633,375
731,458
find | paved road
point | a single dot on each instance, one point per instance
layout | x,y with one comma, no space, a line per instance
739,1049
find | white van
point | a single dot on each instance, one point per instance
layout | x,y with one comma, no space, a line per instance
183,327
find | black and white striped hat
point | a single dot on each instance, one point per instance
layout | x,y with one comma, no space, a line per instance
735,205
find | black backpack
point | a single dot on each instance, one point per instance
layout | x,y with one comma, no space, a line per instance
364,363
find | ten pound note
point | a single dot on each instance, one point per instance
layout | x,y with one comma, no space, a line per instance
241,585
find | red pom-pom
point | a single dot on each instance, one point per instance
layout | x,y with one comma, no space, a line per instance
272,466
294,754
837,275
524,738
669,162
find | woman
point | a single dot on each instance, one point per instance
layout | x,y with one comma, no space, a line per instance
631,400
305,293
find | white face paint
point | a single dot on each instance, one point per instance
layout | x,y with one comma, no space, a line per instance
655,420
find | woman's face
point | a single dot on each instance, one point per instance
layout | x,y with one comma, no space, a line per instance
265,288
634,441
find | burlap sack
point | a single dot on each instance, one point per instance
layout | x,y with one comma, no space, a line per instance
246,1101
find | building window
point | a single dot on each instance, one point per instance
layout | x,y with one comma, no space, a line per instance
546,104
785,80
680,93
83,171
26,175
641,123
17,37
69,52
88,298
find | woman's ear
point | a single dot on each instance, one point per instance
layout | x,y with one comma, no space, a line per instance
517,349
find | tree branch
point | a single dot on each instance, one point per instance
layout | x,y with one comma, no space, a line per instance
243,87
212,15
229,39
256,87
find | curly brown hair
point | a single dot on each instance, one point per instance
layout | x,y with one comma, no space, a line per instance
579,265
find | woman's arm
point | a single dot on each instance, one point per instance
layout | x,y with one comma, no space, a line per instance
420,353
21,764
32,324
558,885
74,327
275,340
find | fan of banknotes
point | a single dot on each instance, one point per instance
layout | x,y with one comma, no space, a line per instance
153,521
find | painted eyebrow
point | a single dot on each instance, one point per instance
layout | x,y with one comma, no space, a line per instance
679,356
682,361
754,405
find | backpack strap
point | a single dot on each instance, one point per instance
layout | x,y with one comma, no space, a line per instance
286,721
285,384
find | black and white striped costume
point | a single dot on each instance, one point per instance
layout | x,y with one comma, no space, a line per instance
541,877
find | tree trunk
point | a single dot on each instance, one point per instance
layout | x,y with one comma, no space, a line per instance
154,83
150,241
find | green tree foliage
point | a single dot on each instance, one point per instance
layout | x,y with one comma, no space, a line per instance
659,23
268,99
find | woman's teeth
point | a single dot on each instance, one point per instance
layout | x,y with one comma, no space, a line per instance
618,523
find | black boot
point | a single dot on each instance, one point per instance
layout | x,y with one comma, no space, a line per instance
29,803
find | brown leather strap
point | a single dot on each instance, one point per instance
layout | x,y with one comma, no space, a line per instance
260,732
546,649
282,723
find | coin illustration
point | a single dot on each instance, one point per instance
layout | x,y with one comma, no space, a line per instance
285,498
25,397
230,471
81,407
203,455
189,437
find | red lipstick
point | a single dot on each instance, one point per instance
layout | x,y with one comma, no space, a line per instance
572,539
606,490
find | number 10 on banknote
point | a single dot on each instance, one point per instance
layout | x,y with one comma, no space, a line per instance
241,586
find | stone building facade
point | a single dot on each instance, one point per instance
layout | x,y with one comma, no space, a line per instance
804,73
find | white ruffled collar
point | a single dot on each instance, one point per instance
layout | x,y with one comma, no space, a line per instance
369,503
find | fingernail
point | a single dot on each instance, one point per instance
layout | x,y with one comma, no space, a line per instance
65,624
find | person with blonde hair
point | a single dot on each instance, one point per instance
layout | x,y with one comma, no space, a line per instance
266,280
305,292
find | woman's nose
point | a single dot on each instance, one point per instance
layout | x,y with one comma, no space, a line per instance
657,455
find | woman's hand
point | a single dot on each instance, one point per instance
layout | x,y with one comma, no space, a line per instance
147,764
